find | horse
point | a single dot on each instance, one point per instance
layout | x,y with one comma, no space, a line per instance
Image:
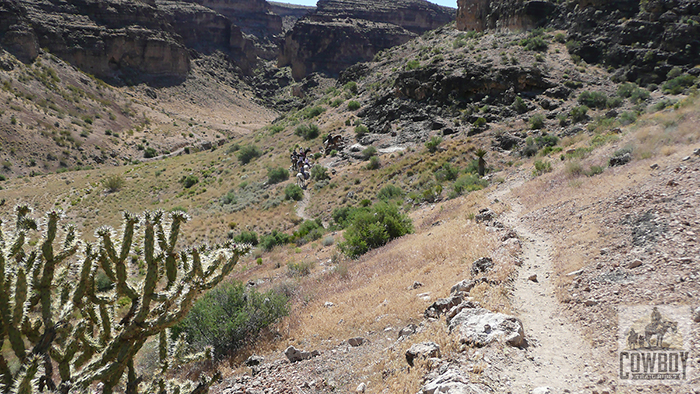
302,176
633,339
659,328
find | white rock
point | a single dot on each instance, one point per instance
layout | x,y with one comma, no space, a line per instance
479,327
541,390
361,388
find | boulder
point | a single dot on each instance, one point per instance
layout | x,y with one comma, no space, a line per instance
408,330
294,355
442,305
355,342
482,265
696,315
464,286
452,381
455,310
619,160
422,350
485,215
480,327
254,360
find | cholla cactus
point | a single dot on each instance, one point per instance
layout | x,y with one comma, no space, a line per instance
48,300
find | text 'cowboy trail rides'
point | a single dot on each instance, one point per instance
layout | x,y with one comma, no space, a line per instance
653,344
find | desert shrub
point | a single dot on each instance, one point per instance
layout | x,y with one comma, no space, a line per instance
336,103
189,180
389,192
433,144
542,166
247,237
277,175
519,105
412,65
247,153
447,173
269,241
361,130
274,129
480,122
351,87
229,198
678,84
663,104
578,114
113,183
342,215
598,100
309,230
560,38
308,132
633,92
230,316
628,117
302,268
353,105
546,140
312,112
293,192
537,122
319,173
374,227
535,41
468,183
328,241
595,170
102,281
149,153
369,152
374,163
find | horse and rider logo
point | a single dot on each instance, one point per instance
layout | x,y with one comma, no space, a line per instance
652,345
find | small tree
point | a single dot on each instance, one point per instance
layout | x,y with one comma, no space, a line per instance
480,153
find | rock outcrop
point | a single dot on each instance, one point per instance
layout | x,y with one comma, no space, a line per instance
342,33
290,13
480,327
119,40
252,16
642,40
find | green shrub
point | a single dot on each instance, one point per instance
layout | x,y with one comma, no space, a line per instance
336,103
113,183
546,140
536,43
369,152
578,114
102,282
433,144
412,65
328,241
309,230
269,241
598,100
560,38
299,269
247,153
390,192
542,166
374,227
479,122
231,316
247,237
149,153
308,132
374,163
342,216
537,122
353,105
468,183
351,87
663,104
447,173
277,175
519,105
312,112
293,192
189,180
628,117
678,84
319,173
361,130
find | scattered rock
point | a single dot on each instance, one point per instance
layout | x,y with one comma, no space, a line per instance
480,327
329,304
423,350
408,330
355,342
532,278
604,251
696,152
361,388
620,160
452,381
415,285
590,302
686,158
577,272
696,315
442,305
541,390
654,166
294,355
482,265
455,311
464,286
485,215
634,264
254,360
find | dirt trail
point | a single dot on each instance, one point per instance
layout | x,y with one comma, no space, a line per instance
301,205
557,356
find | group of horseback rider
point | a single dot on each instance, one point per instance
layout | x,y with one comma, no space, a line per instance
300,161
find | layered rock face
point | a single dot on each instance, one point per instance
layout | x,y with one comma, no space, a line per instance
643,40
341,33
252,16
480,15
290,13
118,40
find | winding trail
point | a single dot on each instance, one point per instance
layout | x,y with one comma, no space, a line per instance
301,205
557,356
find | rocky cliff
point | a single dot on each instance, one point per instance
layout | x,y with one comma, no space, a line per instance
642,40
119,40
341,33
290,13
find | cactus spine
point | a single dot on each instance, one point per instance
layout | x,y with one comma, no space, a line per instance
52,314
